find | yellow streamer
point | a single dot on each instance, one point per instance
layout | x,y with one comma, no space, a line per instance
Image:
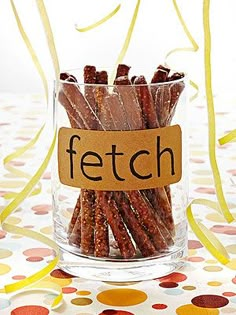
231,136
36,177
194,47
127,40
96,24
211,114
30,49
49,36
206,237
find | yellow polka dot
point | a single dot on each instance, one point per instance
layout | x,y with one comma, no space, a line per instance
203,181
4,253
228,310
214,283
61,282
122,297
11,184
215,217
211,261
16,236
232,264
121,283
13,220
66,214
81,301
231,249
47,230
195,310
83,292
202,172
192,252
4,269
188,287
213,268
198,153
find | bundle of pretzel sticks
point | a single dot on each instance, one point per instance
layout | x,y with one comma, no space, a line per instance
140,221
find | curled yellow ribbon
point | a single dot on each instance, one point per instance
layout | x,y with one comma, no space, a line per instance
211,114
100,22
231,136
207,238
127,41
194,46
31,280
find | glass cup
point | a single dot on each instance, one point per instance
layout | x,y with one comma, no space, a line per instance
120,178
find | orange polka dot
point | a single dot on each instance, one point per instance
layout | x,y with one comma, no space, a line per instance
122,297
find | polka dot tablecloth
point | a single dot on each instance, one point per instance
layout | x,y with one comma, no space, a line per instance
202,286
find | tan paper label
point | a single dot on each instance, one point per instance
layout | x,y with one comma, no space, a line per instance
120,160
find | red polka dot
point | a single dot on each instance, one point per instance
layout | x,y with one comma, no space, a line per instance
195,259
43,207
206,190
68,290
224,229
39,251
61,197
42,212
115,312
57,273
192,244
232,172
30,310
210,301
229,294
18,277
47,175
22,138
166,284
197,161
159,306
230,231
3,193
2,234
17,163
173,277
34,259
234,280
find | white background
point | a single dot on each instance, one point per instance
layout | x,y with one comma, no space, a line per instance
156,32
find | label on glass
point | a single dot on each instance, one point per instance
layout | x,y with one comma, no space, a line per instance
120,160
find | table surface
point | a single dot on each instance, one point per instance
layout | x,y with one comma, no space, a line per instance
200,283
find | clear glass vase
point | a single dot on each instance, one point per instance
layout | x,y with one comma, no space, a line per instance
120,177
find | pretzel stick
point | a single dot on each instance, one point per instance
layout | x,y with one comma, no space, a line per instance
117,225
81,234
130,101
158,196
87,221
112,104
166,99
101,236
122,70
90,78
137,231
